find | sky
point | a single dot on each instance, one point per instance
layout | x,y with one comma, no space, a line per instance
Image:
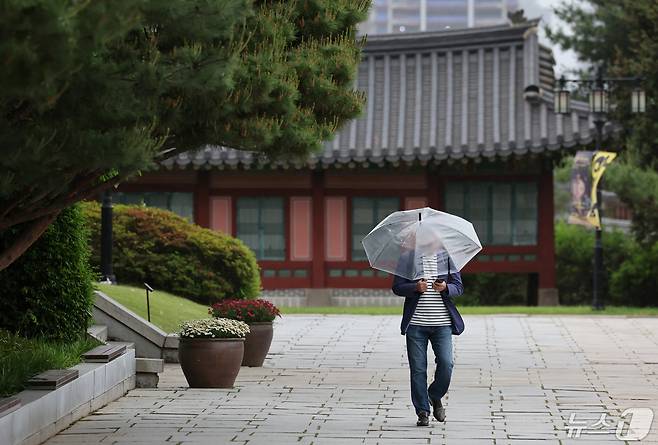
564,60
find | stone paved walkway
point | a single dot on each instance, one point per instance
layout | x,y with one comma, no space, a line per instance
343,380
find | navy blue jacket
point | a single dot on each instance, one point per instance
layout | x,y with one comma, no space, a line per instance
407,288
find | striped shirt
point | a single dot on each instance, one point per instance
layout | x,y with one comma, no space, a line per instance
430,310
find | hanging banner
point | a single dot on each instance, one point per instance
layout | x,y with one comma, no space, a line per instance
588,167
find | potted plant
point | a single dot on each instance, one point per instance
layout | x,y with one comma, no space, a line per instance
259,315
210,351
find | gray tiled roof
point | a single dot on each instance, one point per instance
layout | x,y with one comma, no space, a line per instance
445,95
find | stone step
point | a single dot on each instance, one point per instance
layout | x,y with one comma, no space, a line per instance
149,365
147,370
98,331
52,379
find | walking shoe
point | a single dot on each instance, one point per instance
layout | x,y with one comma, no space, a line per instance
438,410
423,419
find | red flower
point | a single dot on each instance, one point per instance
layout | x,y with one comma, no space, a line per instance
258,310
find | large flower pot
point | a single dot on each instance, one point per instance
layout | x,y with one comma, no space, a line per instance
211,362
257,343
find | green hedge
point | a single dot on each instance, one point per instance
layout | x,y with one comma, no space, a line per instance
635,282
171,254
627,268
629,277
47,292
491,289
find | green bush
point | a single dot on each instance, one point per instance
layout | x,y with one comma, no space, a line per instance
47,292
635,282
574,256
491,289
171,254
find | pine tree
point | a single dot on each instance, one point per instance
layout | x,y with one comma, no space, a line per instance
95,92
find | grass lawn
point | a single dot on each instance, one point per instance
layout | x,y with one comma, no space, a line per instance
168,310
22,358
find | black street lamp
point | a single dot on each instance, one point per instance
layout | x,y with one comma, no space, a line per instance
106,239
562,99
598,97
638,100
599,107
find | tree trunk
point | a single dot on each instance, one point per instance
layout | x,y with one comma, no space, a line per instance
25,239
35,212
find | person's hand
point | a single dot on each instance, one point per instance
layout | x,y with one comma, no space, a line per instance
421,286
440,285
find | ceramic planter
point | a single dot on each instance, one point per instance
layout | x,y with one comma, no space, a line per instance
257,343
211,362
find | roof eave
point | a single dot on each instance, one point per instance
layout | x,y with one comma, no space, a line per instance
437,40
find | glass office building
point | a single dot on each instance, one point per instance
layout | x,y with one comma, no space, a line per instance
392,16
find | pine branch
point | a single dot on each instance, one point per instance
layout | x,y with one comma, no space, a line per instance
26,238
62,202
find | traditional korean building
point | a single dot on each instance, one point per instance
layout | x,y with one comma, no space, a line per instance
461,121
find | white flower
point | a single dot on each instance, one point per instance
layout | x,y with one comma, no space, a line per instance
214,328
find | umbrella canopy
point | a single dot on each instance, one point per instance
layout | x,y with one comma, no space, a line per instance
399,243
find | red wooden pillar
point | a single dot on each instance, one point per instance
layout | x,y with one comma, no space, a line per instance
317,274
548,295
202,199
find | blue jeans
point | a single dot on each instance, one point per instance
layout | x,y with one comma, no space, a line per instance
441,339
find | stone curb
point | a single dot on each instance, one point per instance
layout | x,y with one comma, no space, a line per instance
45,413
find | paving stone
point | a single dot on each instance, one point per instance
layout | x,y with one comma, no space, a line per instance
72,439
343,380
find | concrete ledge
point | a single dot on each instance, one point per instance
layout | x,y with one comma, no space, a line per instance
152,365
98,332
122,324
9,404
291,301
548,297
367,301
332,297
45,413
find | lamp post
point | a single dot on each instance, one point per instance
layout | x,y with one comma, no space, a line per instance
106,239
599,106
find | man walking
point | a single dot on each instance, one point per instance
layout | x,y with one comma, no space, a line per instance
430,316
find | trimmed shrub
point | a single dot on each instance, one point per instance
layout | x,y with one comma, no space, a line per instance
635,282
490,289
574,257
47,292
171,254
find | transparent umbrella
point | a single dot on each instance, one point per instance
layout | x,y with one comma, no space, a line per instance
399,243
